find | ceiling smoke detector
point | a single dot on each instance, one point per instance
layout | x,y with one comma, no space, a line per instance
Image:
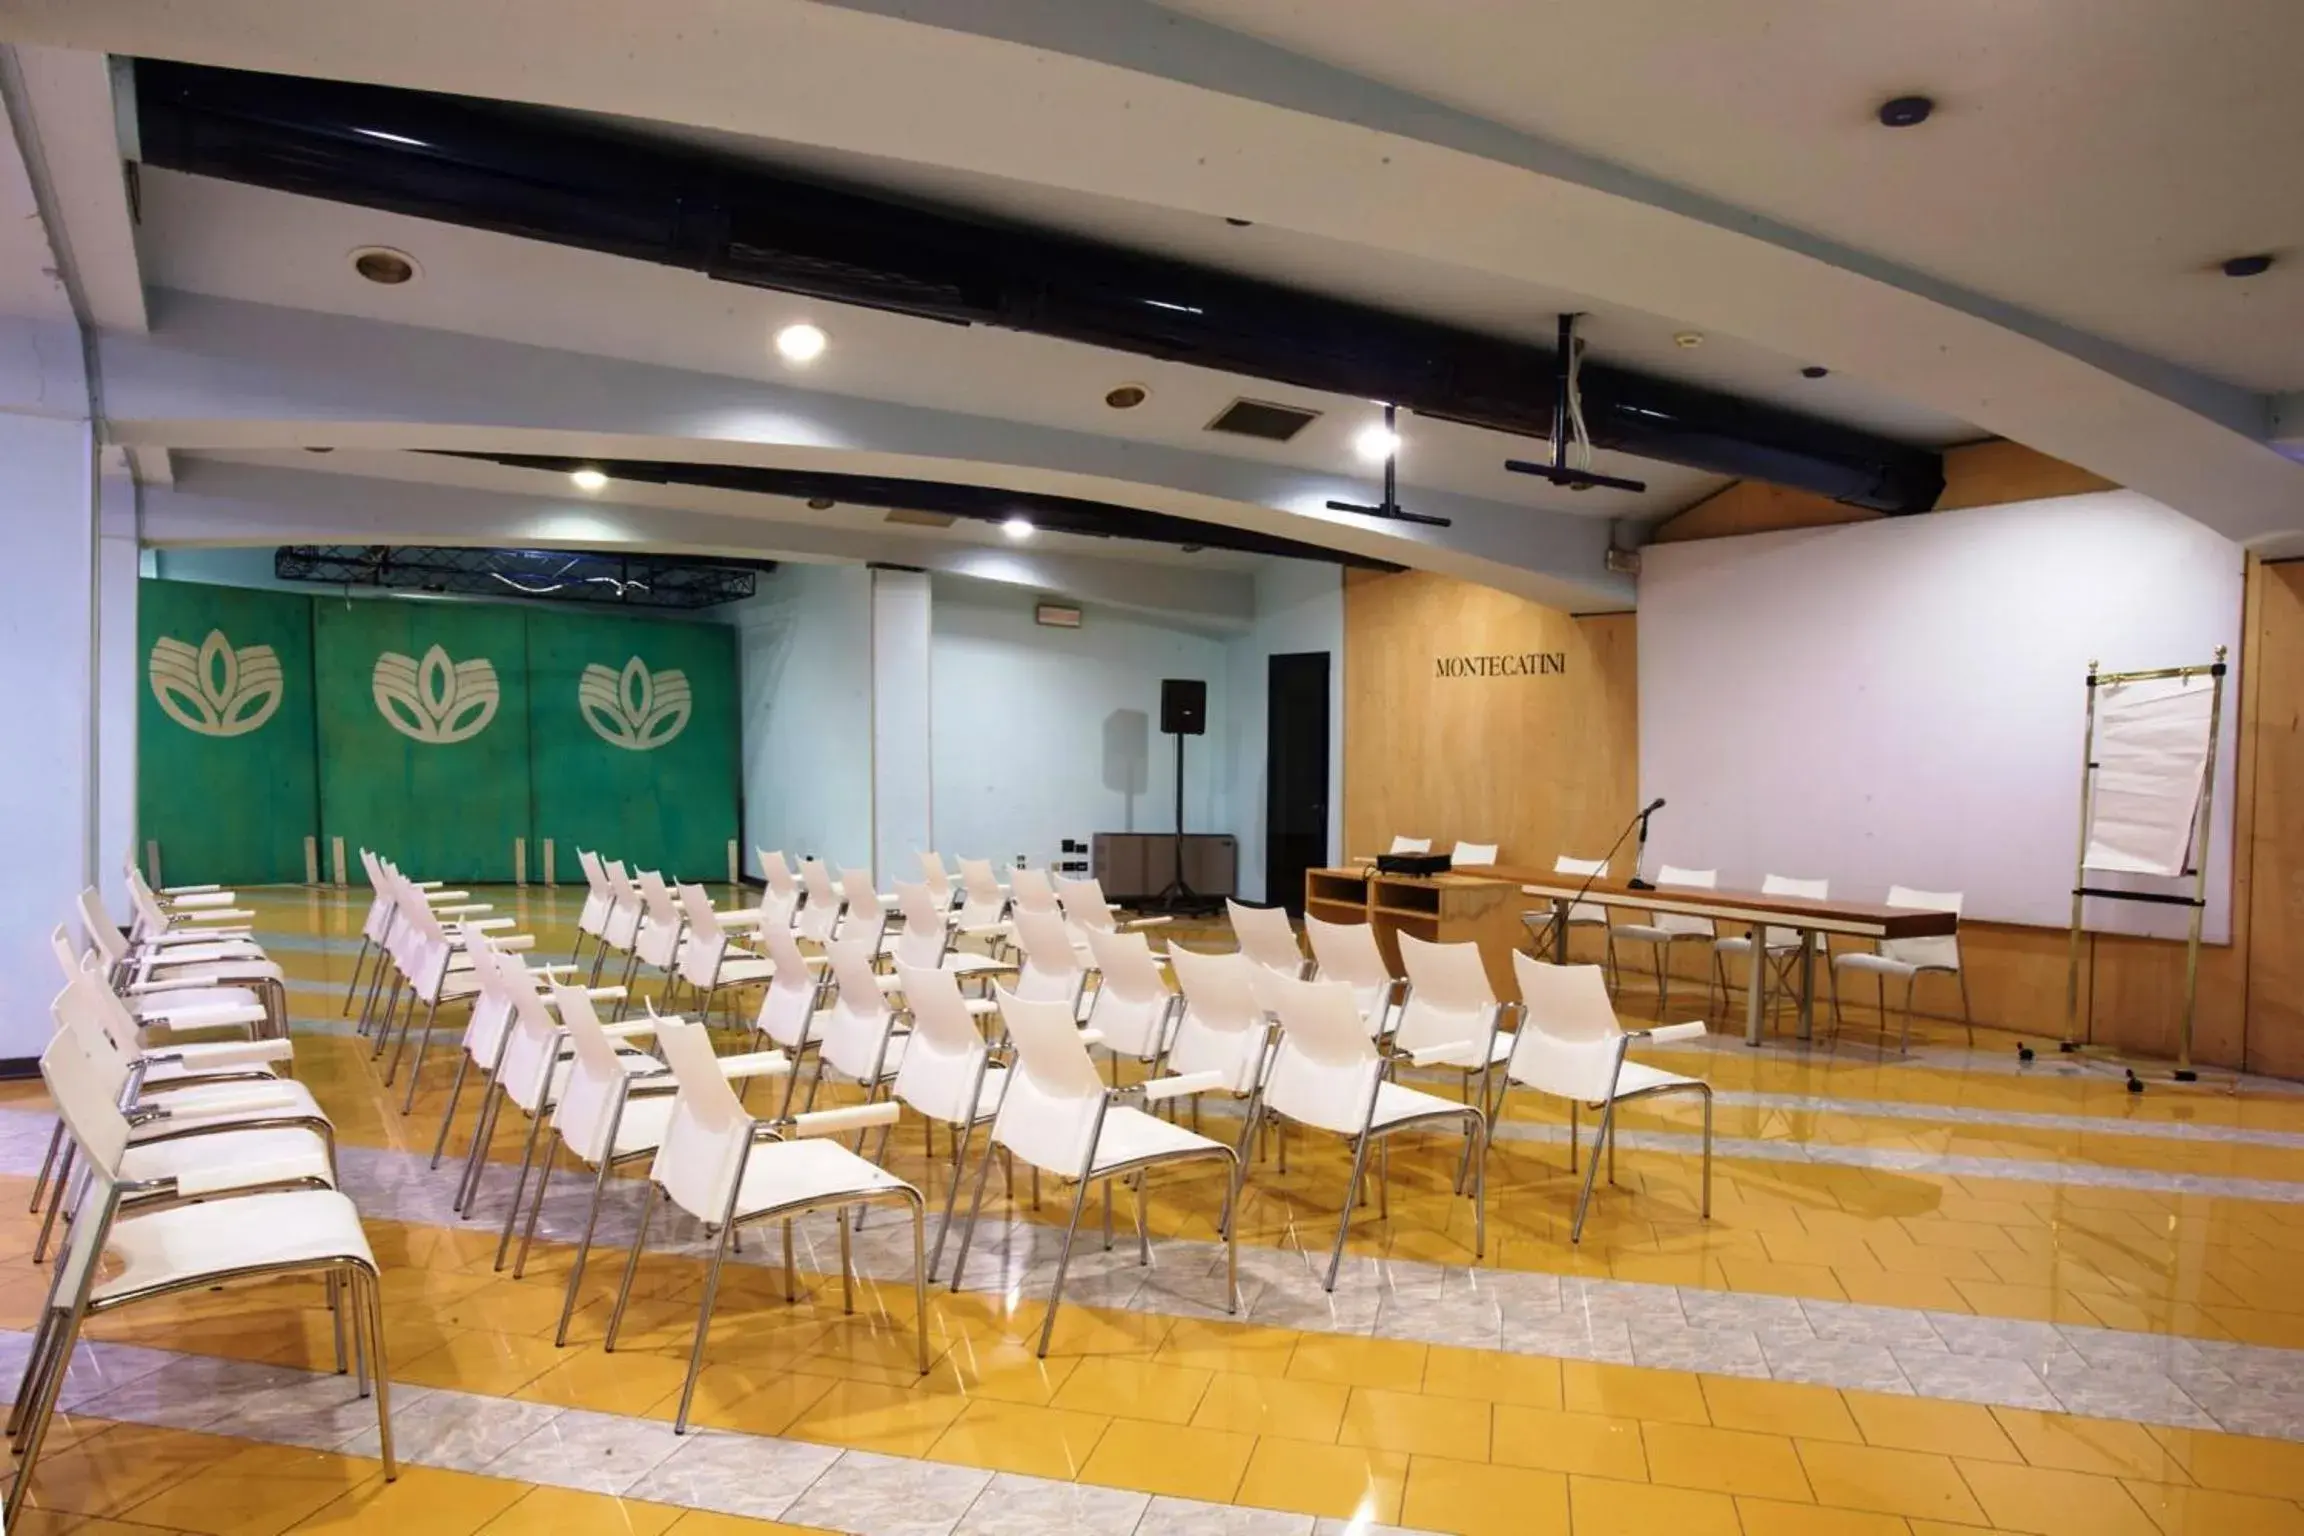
384,265
1688,340
1127,397
1906,111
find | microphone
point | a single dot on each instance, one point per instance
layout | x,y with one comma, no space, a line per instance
1636,883
1639,819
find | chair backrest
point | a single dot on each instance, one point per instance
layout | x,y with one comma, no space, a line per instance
1672,877
707,941
599,897
1472,853
1222,1028
788,1004
1083,905
981,899
927,925
659,940
625,907
379,899
1569,1039
863,899
777,875
585,1116
937,878
1787,885
1132,1002
942,1054
1410,845
1050,1110
1324,1070
1583,869
102,932
60,945
492,1005
1941,953
1031,890
1266,937
820,916
1449,998
1348,952
704,1144
534,1047
857,1030
150,919
1052,971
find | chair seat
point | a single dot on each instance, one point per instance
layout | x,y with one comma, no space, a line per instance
1468,1060
1132,1136
154,1007
178,955
1640,1078
212,1103
783,1173
1650,933
1881,965
1395,1104
975,965
736,971
219,1237
231,1160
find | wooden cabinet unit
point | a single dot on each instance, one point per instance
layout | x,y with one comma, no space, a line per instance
1445,909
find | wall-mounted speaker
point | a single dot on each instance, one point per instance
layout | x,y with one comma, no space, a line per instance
1184,706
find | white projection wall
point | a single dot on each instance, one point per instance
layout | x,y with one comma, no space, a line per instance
1902,701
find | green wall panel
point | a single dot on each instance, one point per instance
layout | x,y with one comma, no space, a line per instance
423,731
225,780
632,724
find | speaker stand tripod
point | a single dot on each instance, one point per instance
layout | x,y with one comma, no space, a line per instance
1179,895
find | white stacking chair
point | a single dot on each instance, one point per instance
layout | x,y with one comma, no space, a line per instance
137,971
1781,947
1084,907
861,1038
1471,853
780,900
611,1108
983,913
939,881
1410,845
1053,968
1222,1028
438,970
1909,959
1665,929
663,933
726,1170
1031,890
925,937
1348,952
949,1073
1057,1116
190,919
709,958
819,920
113,1259
176,1009
866,916
1451,1012
490,1029
1570,1045
626,911
792,1012
1266,937
378,922
1133,1013
1326,1073
599,901
1543,924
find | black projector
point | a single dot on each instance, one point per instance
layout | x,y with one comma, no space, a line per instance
1412,863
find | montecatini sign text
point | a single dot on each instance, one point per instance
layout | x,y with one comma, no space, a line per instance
1505,664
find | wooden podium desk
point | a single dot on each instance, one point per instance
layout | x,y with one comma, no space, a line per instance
1811,918
1453,908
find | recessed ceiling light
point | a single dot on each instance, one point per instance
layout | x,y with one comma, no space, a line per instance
819,503
1906,111
1376,442
1127,397
801,343
1018,528
2247,266
589,479
1687,340
1814,371
382,264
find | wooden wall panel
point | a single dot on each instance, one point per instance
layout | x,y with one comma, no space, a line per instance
1540,764
2275,1032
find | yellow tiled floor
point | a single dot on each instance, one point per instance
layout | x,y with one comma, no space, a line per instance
1431,1437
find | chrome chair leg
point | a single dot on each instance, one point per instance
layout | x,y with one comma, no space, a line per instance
583,1251
631,1265
1063,1263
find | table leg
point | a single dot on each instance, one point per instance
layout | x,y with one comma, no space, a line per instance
1807,982
1756,987
1559,932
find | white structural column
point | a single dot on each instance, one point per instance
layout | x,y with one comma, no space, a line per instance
47,755
119,681
902,816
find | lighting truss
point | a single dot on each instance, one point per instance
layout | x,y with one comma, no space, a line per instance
537,575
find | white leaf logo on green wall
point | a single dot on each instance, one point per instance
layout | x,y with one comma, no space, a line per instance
435,701
216,690
639,710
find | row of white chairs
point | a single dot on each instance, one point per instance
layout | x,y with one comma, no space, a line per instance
185,1157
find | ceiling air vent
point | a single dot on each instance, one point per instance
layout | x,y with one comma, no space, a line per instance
1261,418
909,518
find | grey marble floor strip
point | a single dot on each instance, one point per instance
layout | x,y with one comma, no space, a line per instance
757,1476
2105,1372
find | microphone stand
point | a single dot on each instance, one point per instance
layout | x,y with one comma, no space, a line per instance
1641,820
1640,856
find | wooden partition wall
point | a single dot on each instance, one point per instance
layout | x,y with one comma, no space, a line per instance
1506,750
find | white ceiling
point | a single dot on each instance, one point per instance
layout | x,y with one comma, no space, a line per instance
2091,160
232,241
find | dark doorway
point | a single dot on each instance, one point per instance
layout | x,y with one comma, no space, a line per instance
1295,776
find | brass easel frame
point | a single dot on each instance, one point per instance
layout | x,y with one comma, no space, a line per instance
2201,825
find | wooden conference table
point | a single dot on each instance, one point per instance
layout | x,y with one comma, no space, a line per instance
1811,918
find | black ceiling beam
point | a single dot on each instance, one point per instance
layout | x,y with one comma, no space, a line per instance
979,503
546,175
